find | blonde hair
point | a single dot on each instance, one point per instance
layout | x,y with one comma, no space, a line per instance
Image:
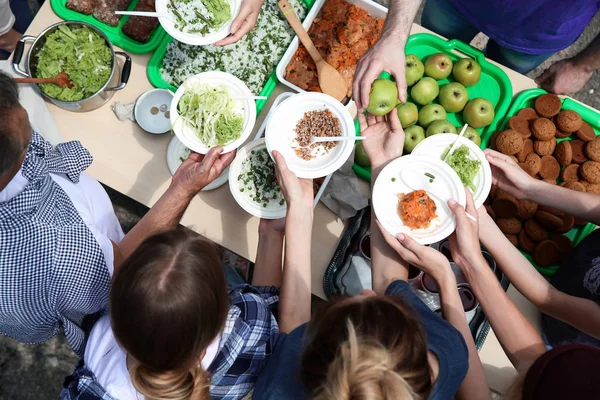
364,370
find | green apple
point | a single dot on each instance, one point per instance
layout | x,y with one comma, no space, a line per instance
430,113
479,112
360,156
467,71
473,136
453,97
383,97
412,137
425,91
413,68
438,66
407,113
440,127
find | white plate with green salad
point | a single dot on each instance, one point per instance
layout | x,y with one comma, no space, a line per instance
467,160
210,109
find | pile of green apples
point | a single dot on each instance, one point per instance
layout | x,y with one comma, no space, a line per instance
424,89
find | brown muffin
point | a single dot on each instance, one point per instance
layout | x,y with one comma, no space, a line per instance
526,209
548,105
574,185
585,132
568,121
591,187
509,142
512,239
510,226
567,224
493,191
564,243
528,114
546,254
520,125
590,171
490,211
535,231
550,168
570,173
535,163
543,129
525,242
527,149
551,210
504,193
577,148
550,181
548,220
515,159
561,135
493,140
528,168
505,207
545,148
592,149
564,153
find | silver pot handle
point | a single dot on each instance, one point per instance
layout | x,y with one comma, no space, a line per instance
18,54
125,72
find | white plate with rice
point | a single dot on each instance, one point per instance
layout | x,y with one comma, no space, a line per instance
194,29
215,80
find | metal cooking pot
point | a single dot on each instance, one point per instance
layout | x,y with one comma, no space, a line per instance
117,80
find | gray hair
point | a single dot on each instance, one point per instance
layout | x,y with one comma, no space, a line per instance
10,143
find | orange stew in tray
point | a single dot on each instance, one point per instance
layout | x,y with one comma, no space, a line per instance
342,33
416,209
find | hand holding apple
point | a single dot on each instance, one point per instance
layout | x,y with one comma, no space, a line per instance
384,138
383,97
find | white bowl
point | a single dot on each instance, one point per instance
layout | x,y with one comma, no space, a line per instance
434,146
168,23
273,212
280,134
236,88
153,123
446,184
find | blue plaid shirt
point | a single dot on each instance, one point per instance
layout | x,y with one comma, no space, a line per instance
52,270
246,343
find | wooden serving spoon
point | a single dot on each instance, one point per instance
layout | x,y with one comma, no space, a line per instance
61,80
330,80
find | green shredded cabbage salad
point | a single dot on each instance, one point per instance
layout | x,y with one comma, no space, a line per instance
466,168
210,112
80,52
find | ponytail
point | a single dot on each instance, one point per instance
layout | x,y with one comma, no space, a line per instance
171,385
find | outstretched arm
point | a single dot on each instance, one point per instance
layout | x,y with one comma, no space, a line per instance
269,255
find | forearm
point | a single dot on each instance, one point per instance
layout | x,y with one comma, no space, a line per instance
267,268
475,384
581,313
589,58
398,23
294,304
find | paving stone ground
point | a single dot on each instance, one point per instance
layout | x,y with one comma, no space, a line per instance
36,371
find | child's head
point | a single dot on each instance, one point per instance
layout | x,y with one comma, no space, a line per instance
366,348
169,302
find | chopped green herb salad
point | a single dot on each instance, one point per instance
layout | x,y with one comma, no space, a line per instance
466,168
80,52
257,179
199,16
210,112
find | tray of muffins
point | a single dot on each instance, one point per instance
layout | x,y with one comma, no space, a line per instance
553,139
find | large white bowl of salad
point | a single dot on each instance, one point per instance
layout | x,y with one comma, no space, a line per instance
213,109
198,22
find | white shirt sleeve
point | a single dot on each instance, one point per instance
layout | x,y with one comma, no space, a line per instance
7,18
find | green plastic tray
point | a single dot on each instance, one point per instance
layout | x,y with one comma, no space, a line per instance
494,84
155,63
527,99
114,33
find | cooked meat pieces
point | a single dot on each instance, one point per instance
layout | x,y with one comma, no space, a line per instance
416,209
568,121
543,129
105,11
550,168
546,253
564,153
140,28
548,105
509,142
82,6
590,171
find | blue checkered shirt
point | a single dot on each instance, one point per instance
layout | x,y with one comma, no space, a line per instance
52,270
246,343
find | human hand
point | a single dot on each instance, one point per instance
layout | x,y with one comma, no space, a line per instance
244,22
426,258
386,55
508,176
464,242
564,77
199,170
267,226
385,138
295,191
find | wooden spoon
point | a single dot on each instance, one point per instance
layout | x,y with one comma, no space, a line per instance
330,80
61,80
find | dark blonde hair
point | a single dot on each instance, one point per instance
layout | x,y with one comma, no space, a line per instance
169,302
366,348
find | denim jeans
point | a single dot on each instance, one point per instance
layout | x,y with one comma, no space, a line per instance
443,18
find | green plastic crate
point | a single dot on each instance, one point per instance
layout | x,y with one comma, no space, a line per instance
155,63
527,99
114,33
494,84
